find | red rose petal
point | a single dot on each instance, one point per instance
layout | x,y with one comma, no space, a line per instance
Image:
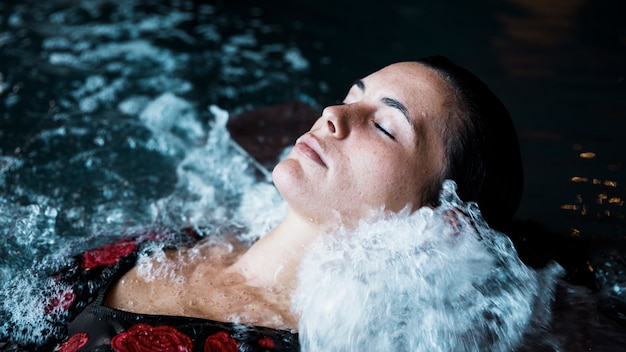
220,342
266,342
147,338
74,343
107,255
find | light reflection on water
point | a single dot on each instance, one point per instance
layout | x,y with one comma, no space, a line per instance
567,59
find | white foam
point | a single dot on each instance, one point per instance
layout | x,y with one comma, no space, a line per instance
416,282
159,266
212,180
133,105
261,209
8,163
172,118
295,58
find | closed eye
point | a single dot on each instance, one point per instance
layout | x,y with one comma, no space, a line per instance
384,131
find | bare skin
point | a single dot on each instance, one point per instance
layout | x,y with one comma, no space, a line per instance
377,150
197,282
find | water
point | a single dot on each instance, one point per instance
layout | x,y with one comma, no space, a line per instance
457,286
106,122
112,118
105,129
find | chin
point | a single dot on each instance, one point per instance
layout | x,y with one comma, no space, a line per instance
288,178
300,191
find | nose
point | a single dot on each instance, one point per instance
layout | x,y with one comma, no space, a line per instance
338,120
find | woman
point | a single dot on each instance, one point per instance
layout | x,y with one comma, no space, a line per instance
398,135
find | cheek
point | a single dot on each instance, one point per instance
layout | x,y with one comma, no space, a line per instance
389,180
402,184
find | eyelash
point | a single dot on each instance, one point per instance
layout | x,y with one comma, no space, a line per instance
384,131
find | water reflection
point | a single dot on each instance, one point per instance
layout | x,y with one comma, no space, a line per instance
605,204
538,28
566,60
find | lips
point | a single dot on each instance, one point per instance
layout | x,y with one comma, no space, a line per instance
310,148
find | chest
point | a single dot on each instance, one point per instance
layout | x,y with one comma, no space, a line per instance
201,291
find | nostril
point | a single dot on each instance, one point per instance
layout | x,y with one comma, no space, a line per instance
331,126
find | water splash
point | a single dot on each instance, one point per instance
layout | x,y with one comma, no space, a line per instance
435,280
212,180
109,131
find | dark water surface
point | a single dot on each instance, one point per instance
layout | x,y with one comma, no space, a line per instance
74,77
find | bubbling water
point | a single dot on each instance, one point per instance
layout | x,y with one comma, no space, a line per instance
435,280
219,188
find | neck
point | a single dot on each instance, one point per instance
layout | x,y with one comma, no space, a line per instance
273,261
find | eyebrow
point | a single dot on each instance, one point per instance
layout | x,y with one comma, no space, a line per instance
394,103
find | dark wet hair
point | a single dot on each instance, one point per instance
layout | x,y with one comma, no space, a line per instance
481,146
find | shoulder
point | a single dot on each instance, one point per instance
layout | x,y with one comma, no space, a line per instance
85,275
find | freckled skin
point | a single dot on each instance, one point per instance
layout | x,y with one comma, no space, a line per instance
367,169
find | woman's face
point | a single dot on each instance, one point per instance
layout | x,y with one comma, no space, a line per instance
376,150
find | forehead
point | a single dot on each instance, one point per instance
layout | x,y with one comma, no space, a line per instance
421,89
411,81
